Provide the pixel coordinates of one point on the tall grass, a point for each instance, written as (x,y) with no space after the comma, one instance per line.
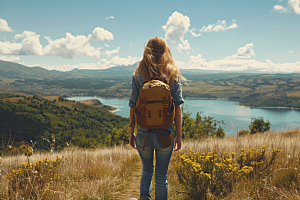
(107,173)
(84,174)
(281,181)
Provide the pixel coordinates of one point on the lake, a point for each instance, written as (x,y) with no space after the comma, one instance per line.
(236,117)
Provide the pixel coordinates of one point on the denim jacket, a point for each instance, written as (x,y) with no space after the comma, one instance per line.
(137,83)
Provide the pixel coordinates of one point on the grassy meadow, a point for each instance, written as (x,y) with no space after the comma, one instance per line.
(114,173)
(81,174)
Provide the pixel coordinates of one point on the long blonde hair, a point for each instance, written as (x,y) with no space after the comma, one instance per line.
(158,62)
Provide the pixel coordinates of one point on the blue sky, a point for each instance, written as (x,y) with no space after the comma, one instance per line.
(216,35)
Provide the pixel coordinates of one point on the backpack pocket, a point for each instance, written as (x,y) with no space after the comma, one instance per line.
(138,117)
(154,114)
(170,116)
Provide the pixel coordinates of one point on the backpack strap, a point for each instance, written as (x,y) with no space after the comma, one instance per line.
(165,110)
(144,110)
(132,115)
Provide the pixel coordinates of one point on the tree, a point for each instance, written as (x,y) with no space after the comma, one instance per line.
(243,132)
(258,125)
(201,127)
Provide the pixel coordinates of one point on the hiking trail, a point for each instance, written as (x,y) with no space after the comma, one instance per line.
(133,190)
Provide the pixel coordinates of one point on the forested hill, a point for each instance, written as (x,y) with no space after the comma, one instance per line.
(72,123)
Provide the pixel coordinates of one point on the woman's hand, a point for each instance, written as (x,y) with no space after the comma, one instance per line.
(132,141)
(177,143)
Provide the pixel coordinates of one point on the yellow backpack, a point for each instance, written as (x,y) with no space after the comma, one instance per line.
(155,107)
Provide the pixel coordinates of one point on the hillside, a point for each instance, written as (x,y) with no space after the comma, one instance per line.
(30,118)
(250,89)
(11,70)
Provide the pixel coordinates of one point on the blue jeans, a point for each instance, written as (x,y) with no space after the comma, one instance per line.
(162,156)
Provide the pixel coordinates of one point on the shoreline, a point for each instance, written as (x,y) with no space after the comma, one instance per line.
(279,107)
(193,98)
(115,110)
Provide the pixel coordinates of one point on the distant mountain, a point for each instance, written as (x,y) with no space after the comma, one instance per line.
(11,70)
(113,71)
(15,70)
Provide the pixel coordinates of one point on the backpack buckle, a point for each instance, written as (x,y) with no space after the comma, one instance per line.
(165,105)
(144,105)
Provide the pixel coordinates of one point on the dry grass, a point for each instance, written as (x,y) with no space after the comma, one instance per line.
(288,159)
(68,104)
(85,174)
(107,173)
(293,94)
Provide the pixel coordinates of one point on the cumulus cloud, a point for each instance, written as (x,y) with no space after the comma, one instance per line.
(70,47)
(4,26)
(108,53)
(280,9)
(111,17)
(116,60)
(197,62)
(291,51)
(244,52)
(239,62)
(176,27)
(8,48)
(30,45)
(10,58)
(25,34)
(194,34)
(219,26)
(293,5)
(184,46)
(100,34)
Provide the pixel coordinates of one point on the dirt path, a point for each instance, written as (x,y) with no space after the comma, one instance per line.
(133,190)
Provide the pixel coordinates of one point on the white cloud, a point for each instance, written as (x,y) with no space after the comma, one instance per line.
(4,26)
(107,45)
(291,51)
(295,5)
(280,9)
(184,46)
(108,53)
(176,27)
(244,52)
(30,45)
(116,60)
(232,64)
(8,48)
(102,64)
(219,26)
(111,17)
(100,34)
(10,58)
(194,34)
(70,47)
(292,5)
(25,34)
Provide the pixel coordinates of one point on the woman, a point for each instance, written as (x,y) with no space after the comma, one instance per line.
(157,62)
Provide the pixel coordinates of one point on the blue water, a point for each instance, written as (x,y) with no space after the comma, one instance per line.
(235,117)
